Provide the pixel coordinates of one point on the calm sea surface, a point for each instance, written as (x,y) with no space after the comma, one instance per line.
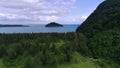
(39,29)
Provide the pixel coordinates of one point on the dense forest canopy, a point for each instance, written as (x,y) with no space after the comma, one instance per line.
(105,17)
(45,50)
(102,28)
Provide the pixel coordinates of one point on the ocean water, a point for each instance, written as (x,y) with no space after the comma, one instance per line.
(39,29)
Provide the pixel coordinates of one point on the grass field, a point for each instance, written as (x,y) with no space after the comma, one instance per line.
(81,62)
(1,64)
(86,64)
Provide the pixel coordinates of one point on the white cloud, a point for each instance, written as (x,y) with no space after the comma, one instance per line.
(45,10)
(77,18)
(48,18)
(12,16)
(31,1)
(84,17)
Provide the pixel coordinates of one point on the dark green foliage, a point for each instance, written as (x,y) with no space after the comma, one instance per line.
(2,50)
(82,48)
(106,45)
(11,53)
(41,50)
(102,28)
(29,63)
(106,16)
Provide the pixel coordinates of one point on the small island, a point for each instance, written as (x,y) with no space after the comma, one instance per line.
(53,24)
(1,25)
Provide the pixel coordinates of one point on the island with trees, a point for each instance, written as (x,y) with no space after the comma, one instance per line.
(7,25)
(54,24)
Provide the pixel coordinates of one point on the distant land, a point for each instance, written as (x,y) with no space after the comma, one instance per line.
(54,24)
(13,25)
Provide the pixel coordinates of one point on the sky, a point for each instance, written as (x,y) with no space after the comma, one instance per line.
(46,11)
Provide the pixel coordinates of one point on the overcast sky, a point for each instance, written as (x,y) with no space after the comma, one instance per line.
(45,11)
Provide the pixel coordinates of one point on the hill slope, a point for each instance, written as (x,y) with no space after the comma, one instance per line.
(106,16)
(102,28)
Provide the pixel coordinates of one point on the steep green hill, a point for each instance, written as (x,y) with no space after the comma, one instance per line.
(106,16)
(102,28)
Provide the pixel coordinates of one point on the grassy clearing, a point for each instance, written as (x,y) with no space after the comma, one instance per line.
(80,62)
(1,64)
(84,64)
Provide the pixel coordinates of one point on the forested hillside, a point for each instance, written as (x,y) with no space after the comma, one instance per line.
(102,28)
(105,17)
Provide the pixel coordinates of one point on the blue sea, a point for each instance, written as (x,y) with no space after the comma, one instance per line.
(39,29)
